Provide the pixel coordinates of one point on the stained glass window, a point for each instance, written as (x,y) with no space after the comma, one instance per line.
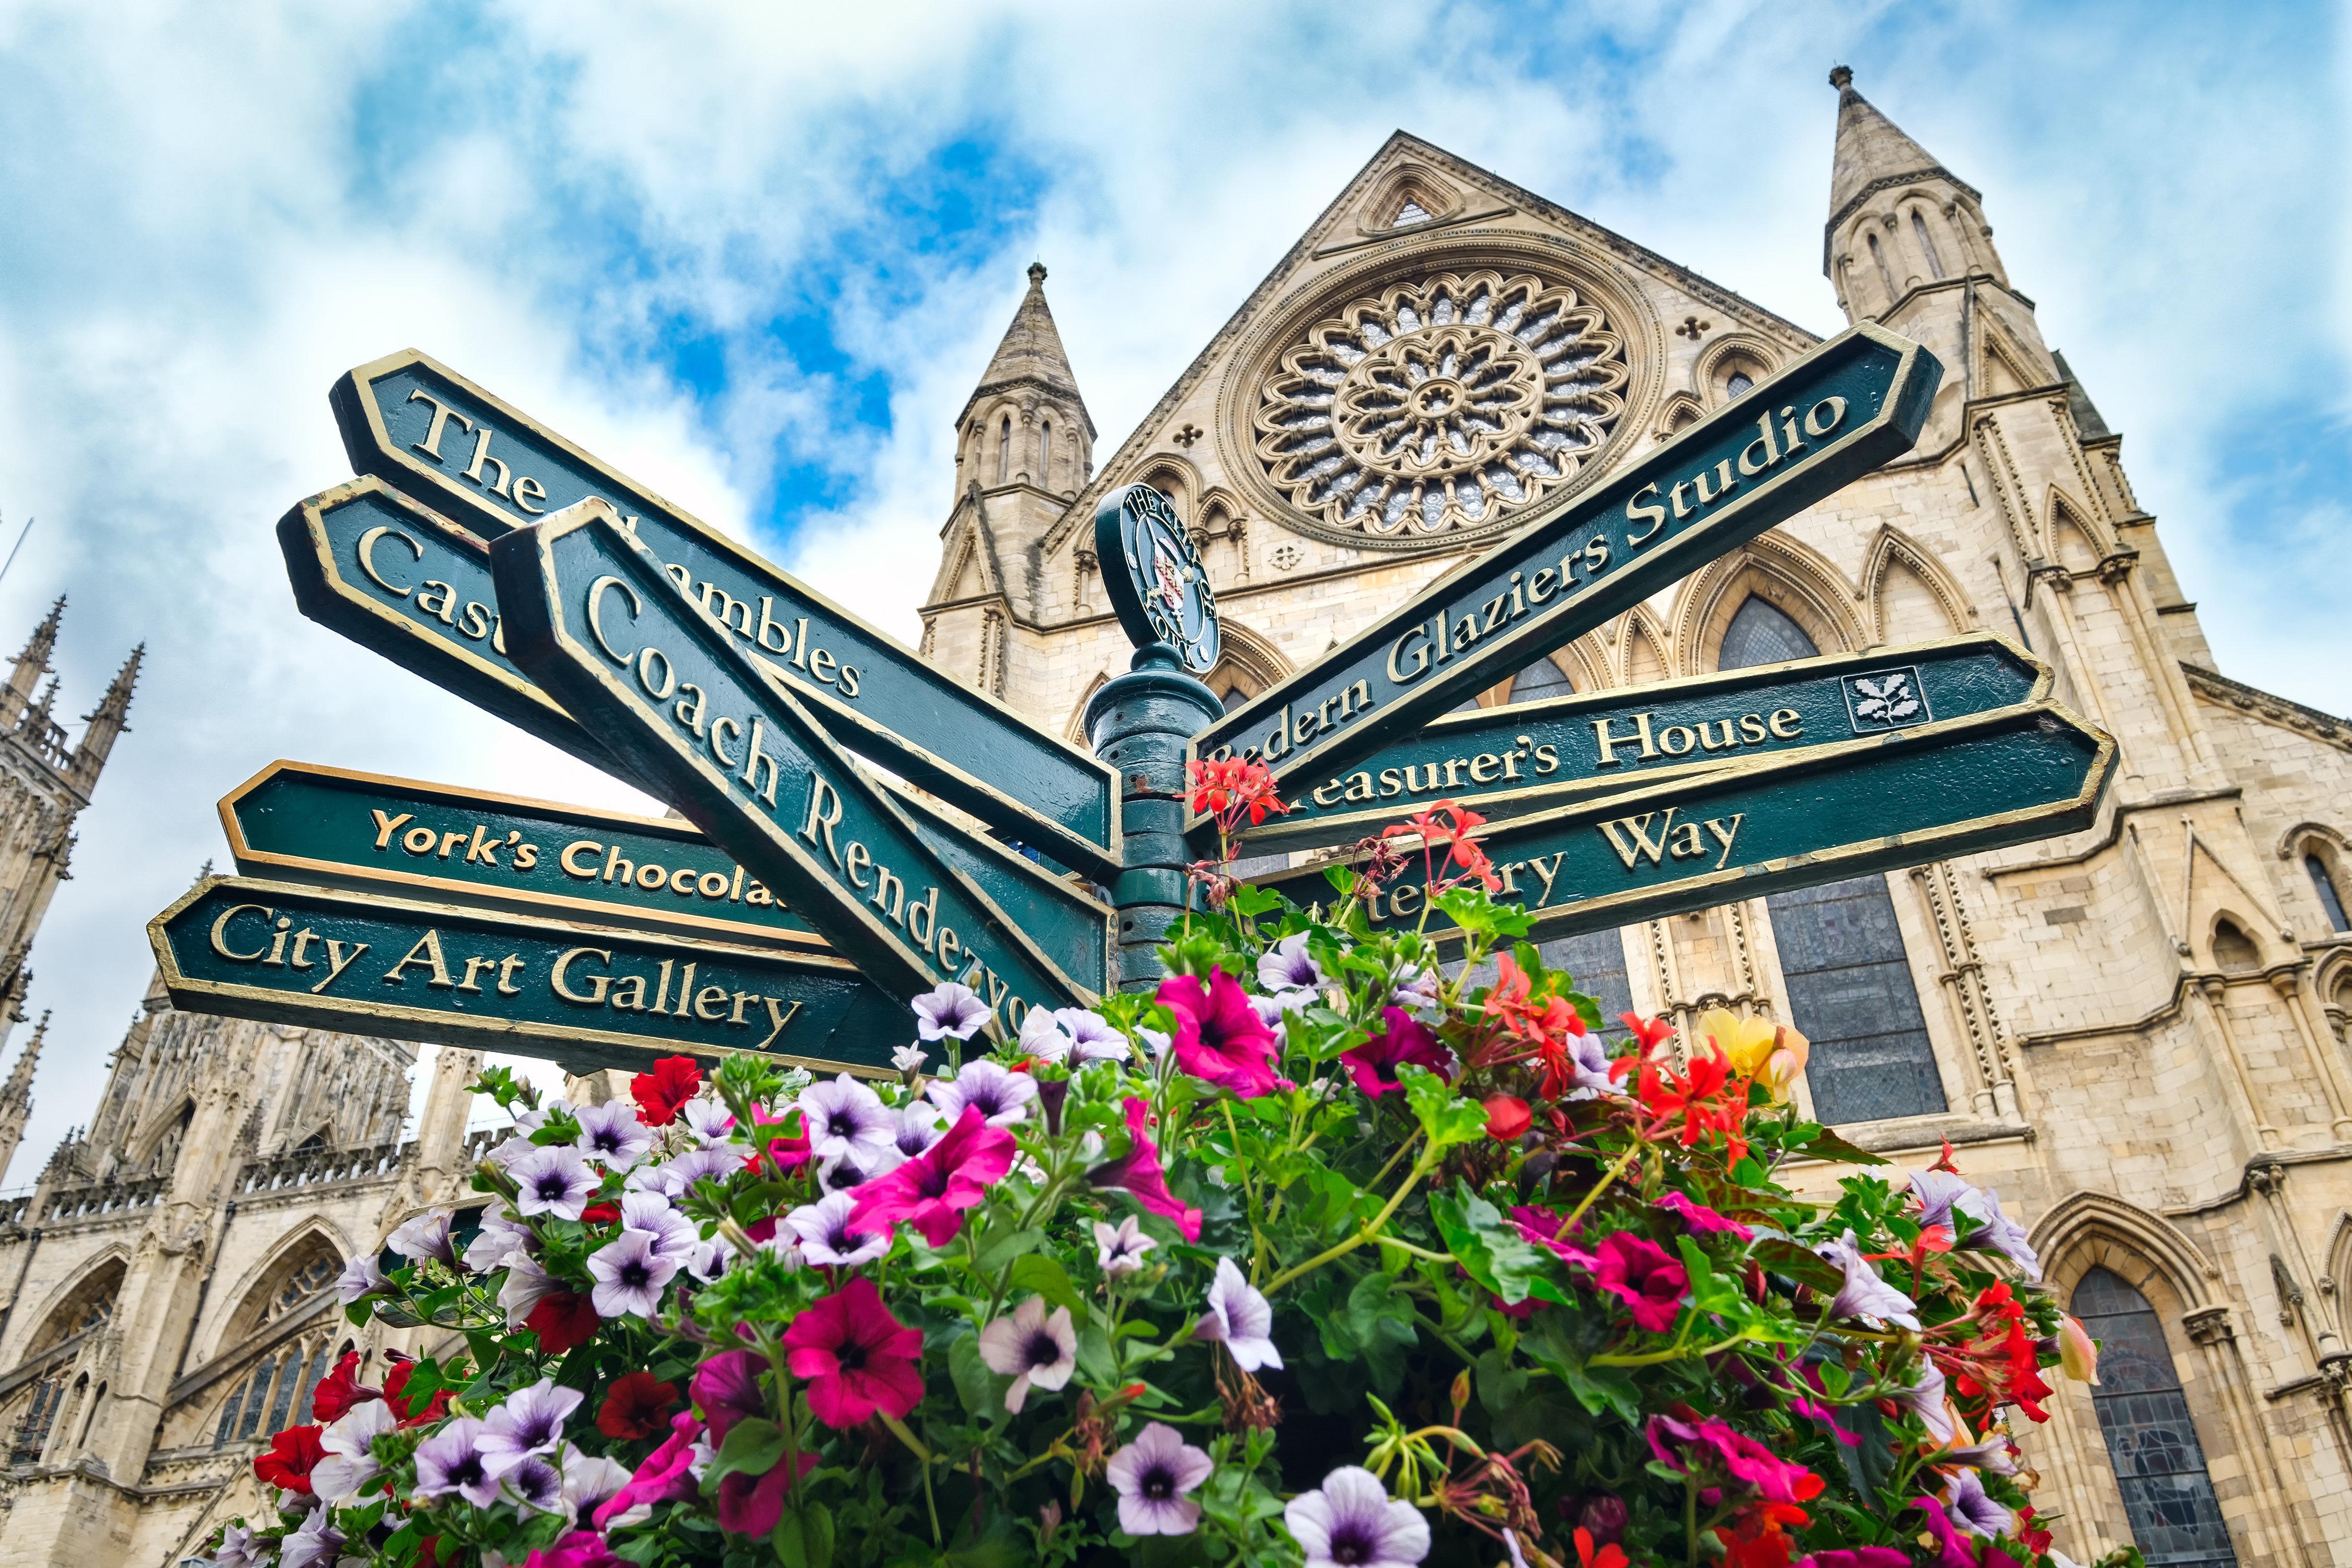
(1850,992)
(2325,886)
(2176,1520)
(1762,634)
(1739,385)
(1542,678)
(1597,962)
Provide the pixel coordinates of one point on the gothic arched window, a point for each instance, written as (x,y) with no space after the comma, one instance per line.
(2325,886)
(277,1391)
(2233,951)
(1739,385)
(1542,678)
(1045,454)
(1927,244)
(1005,451)
(1878,258)
(2168,1501)
(1762,633)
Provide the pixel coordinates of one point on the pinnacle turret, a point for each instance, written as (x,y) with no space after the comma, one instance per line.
(1030,356)
(32,664)
(107,721)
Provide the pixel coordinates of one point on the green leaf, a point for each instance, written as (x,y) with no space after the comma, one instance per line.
(1827,1145)
(1253,902)
(975,1385)
(1094,1356)
(1042,1276)
(1491,1248)
(1710,1291)
(754,1445)
(1380,1316)
(997,1250)
(1499,1383)
(1599,1388)
(1444,1116)
(804,1537)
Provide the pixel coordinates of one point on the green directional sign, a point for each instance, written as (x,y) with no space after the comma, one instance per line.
(587,997)
(429,432)
(1952,787)
(1504,762)
(593,615)
(1842,410)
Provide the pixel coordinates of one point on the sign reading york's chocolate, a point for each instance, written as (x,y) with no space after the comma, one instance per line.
(432,434)
(1854,404)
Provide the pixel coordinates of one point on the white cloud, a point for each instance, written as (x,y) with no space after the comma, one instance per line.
(212,214)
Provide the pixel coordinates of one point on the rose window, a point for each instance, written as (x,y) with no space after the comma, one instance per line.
(1442,405)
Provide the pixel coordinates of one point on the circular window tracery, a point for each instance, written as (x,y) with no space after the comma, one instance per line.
(1441,405)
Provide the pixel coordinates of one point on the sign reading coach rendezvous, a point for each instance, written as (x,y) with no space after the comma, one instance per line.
(1851,404)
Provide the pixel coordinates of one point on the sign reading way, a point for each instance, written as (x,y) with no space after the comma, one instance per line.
(590,997)
(1842,410)
(427,431)
(1503,761)
(1910,796)
(593,615)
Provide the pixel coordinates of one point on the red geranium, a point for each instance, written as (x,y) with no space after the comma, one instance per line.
(661,1093)
(561,1319)
(288,1461)
(637,1406)
(1508,1117)
(1229,789)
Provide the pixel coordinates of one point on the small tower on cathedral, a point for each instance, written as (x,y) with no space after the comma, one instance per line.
(16,1094)
(1024,436)
(107,721)
(32,664)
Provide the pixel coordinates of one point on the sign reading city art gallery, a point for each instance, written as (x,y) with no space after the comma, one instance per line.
(1503,761)
(589,997)
(592,613)
(1842,410)
(1909,795)
(298,821)
(425,430)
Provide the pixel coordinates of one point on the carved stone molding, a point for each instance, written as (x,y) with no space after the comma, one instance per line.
(2210,1326)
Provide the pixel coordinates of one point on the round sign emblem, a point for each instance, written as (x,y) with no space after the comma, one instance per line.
(1156,580)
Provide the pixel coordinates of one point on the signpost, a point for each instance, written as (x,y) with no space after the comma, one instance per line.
(1504,762)
(589,996)
(592,613)
(1842,410)
(490,469)
(303,823)
(1951,787)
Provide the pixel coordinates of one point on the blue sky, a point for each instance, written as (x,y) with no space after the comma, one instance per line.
(756,255)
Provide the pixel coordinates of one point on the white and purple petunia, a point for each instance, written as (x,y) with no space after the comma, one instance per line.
(1940,1193)
(534,1484)
(708,1123)
(1968,1506)
(451,1461)
(1865,1294)
(1001,1094)
(1035,1348)
(1240,1319)
(630,1274)
(590,1480)
(530,1422)
(425,1238)
(674,1235)
(949,1011)
(823,1229)
(1351,1520)
(611,1135)
(526,1287)
(498,1244)
(1588,1062)
(909,1059)
(1091,1038)
(1416,988)
(1288,968)
(237,1549)
(362,1277)
(554,1180)
(1122,1247)
(845,1120)
(1043,1036)
(349,1464)
(318,1541)
(1151,1476)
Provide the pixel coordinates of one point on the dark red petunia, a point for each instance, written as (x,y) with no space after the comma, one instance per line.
(287,1462)
(636,1407)
(663,1092)
(1403,1041)
(562,1319)
(341,1389)
(600,1214)
(396,1381)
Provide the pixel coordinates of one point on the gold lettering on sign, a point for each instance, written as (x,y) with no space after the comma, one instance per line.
(1633,842)
(365,550)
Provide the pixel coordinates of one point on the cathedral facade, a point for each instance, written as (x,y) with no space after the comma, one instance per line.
(2135,1035)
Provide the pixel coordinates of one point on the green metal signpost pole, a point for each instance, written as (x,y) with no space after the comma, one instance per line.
(1142,723)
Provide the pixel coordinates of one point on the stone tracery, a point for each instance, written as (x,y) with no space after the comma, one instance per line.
(1442,405)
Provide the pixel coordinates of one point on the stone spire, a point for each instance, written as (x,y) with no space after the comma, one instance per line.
(16,1094)
(1031,357)
(1898,219)
(31,665)
(1872,153)
(107,721)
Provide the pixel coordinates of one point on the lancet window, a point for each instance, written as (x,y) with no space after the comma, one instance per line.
(1540,679)
(1927,244)
(2325,886)
(277,1391)
(2176,1520)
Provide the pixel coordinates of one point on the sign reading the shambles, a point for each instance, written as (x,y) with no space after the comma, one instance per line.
(588,997)
(298,821)
(427,430)
(592,614)
(1842,410)
(1503,761)
(1910,796)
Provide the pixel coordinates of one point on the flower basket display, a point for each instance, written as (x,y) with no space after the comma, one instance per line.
(1336,1247)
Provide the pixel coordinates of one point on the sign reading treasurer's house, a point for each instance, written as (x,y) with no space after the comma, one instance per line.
(1842,410)
(596,619)
(592,996)
(427,431)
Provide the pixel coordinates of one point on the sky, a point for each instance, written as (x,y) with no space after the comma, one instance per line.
(756,254)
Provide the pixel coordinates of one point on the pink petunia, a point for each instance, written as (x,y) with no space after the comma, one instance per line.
(1640,1274)
(751,1504)
(855,1356)
(667,1474)
(1681,1444)
(727,1388)
(1139,1174)
(1404,1042)
(1550,1230)
(1219,1036)
(931,1191)
(1702,1220)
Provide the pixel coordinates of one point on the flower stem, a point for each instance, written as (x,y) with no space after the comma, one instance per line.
(1600,1186)
(1370,1233)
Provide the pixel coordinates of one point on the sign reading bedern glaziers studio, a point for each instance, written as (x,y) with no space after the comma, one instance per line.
(594,617)
(1851,404)
(588,996)
(427,430)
